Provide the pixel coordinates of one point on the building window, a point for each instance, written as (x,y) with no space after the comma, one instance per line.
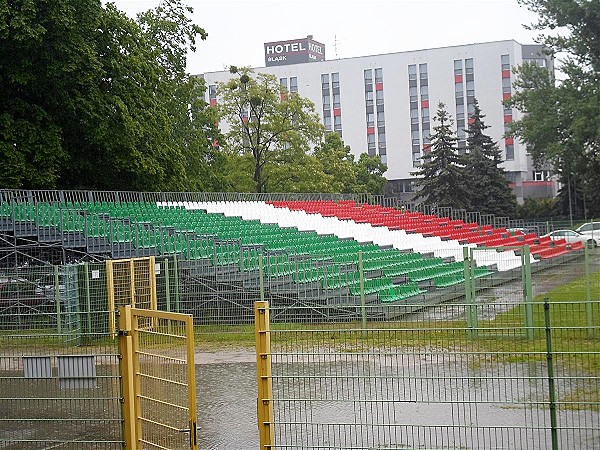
(470,88)
(505,61)
(412,72)
(337,123)
(412,92)
(326,102)
(325,78)
(458,88)
(370,119)
(379,97)
(336,101)
(284,83)
(414,116)
(369,98)
(379,75)
(293,84)
(368,76)
(505,85)
(469,66)
(327,122)
(423,70)
(424,92)
(380,119)
(458,67)
(460,111)
(335,80)
(510,152)
(541,175)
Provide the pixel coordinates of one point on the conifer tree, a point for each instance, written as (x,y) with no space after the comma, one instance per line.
(489,190)
(441,178)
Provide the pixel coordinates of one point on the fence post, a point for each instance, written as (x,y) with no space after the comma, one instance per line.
(88,301)
(471,309)
(261,275)
(527,292)
(176,274)
(363,308)
(588,295)
(551,388)
(57,300)
(167,286)
(264,375)
(127,376)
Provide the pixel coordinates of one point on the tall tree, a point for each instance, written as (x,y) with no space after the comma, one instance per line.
(266,121)
(338,163)
(562,121)
(90,98)
(489,190)
(441,179)
(369,175)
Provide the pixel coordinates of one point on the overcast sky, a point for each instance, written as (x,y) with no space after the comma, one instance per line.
(238,29)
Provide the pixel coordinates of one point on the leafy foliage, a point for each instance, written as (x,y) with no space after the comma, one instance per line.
(92,99)
(441,176)
(562,122)
(267,122)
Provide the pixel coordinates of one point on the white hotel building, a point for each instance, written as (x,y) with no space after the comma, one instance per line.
(384,104)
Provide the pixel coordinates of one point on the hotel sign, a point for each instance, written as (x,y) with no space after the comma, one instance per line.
(293,52)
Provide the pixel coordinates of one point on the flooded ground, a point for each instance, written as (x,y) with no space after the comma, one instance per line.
(399,400)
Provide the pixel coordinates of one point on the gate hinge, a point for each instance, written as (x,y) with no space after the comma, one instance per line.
(123,333)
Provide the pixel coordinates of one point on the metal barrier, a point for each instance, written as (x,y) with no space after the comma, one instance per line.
(130,282)
(159,387)
(423,381)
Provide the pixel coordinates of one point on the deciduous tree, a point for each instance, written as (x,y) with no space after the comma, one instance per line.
(266,121)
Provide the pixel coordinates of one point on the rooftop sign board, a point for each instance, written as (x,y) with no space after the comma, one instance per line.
(294,51)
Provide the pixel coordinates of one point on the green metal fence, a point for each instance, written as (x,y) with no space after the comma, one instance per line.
(425,382)
(59,372)
(459,364)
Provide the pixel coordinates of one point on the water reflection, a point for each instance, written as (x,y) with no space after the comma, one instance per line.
(226,405)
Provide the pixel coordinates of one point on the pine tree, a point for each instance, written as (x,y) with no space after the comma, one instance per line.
(441,178)
(489,190)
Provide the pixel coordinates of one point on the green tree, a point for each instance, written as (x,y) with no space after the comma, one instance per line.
(562,120)
(369,172)
(49,65)
(266,121)
(338,164)
(489,190)
(441,179)
(90,98)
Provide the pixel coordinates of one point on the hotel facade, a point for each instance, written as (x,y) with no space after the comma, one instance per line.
(384,104)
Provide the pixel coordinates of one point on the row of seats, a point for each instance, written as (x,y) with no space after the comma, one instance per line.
(428,225)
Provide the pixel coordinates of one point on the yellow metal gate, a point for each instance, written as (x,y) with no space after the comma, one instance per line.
(159,386)
(130,282)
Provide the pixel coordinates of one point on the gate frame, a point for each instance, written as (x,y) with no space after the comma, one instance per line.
(130,372)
